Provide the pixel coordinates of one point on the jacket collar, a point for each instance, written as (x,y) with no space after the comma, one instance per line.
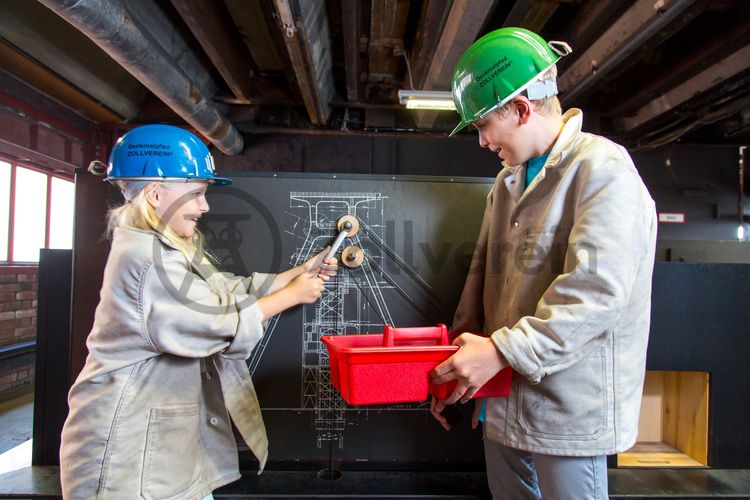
(205,272)
(514,176)
(572,124)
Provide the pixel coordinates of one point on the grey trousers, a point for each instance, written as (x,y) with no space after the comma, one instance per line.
(518,475)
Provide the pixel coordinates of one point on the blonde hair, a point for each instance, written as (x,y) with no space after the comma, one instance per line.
(548,106)
(137,213)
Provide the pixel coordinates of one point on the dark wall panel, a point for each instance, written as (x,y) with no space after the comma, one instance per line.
(699,181)
(701,322)
(270,223)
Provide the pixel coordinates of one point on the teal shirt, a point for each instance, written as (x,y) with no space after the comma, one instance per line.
(533,167)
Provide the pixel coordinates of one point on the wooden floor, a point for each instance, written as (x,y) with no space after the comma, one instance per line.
(43,482)
(16,419)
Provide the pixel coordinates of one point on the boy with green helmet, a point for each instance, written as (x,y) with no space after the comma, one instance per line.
(560,283)
(498,67)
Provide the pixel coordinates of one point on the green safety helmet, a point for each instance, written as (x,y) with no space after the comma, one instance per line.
(498,67)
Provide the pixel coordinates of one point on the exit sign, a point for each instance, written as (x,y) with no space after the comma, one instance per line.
(672,217)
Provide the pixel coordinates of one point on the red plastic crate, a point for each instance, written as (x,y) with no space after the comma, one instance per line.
(394,367)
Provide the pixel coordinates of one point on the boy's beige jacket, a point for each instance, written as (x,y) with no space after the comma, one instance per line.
(561,279)
(150,412)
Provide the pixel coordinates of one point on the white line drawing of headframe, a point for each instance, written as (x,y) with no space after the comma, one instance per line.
(343,309)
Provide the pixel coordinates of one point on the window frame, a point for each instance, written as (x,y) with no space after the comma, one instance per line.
(14,164)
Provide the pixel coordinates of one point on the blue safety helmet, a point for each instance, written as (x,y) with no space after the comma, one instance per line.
(162,153)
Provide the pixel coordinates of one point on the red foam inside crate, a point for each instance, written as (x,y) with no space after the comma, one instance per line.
(394,367)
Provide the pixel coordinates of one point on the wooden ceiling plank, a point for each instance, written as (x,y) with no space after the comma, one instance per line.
(39,77)
(250,18)
(531,14)
(41,116)
(726,68)
(462,27)
(679,70)
(636,26)
(386,45)
(45,38)
(304,34)
(35,157)
(212,26)
(431,21)
(590,19)
(350,13)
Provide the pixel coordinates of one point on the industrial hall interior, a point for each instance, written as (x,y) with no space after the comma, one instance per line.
(414,249)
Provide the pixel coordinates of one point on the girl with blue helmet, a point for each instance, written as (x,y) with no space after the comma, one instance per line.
(151,413)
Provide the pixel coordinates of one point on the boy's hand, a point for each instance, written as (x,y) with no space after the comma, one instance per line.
(436,408)
(477,361)
(325,269)
(306,288)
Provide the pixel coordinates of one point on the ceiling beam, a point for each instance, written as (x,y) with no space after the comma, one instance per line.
(590,20)
(65,52)
(431,21)
(531,14)
(635,27)
(40,78)
(212,26)
(254,28)
(462,27)
(35,157)
(728,67)
(109,25)
(677,68)
(258,26)
(308,43)
(385,48)
(44,110)
(350,13)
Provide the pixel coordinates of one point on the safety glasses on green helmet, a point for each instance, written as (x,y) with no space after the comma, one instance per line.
(498,67)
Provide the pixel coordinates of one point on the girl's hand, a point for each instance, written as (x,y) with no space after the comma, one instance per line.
(306,288)
(325,269)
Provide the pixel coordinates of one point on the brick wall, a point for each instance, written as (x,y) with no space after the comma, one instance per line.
(18,304)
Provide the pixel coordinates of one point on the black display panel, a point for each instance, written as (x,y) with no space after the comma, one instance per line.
(700,321)
(417,235)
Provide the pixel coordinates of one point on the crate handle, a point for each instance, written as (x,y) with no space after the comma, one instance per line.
(438,333)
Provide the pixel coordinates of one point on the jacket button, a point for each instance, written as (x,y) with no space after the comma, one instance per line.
(208,375)
(213,421)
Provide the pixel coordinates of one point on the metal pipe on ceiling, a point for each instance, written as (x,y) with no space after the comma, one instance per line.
(111,27)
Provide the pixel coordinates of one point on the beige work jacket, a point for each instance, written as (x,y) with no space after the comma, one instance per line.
(561,279)
(150,412)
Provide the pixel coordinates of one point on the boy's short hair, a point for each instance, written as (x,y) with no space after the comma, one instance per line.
(547,106)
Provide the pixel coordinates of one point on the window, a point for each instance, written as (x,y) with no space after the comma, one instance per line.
(36,211)
(4,209)
(62,214)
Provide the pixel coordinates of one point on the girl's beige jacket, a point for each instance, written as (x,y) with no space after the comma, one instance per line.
(150,412)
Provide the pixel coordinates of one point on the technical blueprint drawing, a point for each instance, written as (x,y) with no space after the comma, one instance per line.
(353,303)
(416,236)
